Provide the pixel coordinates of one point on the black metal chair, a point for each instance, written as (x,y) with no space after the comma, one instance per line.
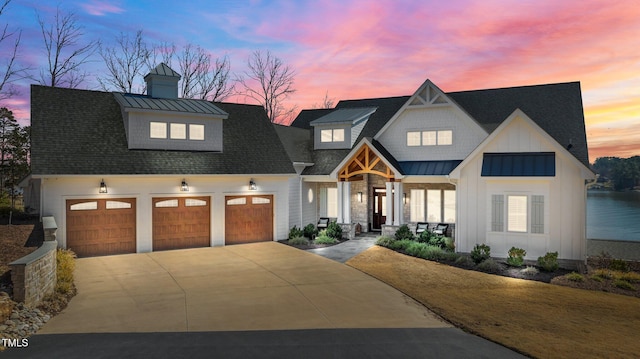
(421,227)
(441,229)
(323,223)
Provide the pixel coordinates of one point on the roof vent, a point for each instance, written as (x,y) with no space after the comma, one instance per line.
(162,82)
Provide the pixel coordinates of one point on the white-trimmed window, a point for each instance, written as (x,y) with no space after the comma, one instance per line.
(429,138)
(518,214)
(196,132)
(434,205)
(417,205)
(157,130)
(178,131)
(332,135)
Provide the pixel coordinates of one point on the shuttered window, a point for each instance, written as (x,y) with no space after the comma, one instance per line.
(537,214)
(497,213)
(517,214)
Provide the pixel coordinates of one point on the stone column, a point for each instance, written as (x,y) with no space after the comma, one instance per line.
(389,202)
(397,204)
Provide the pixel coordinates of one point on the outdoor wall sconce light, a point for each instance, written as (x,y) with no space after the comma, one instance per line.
(252,185)
(360,197)
(404,198)
(184,187)
(103,187)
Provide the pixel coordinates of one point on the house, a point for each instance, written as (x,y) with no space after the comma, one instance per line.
(135,173)
(506,167)
(125,173)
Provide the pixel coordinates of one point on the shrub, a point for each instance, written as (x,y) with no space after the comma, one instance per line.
(437,241)
(424,237)
(309,230)
(575,277)
(325,240)
(529,271)
(385,241)
(401,244)
(602,274)
(602,260)
(295,232)
(417,249)
(623,284)
(631,277)
(619,265)
(299,241)
(480,252)
(334,230)
(404,233)
(449,244)
(516,257)
(66,264)
(489,266)
(549,262)
(465,261)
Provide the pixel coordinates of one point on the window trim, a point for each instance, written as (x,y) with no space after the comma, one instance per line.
(536,213)
(333,135)
(424,134)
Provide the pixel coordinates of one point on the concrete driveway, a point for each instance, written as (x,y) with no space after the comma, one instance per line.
(262,286)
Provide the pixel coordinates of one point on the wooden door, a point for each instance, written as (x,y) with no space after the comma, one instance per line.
(248,218)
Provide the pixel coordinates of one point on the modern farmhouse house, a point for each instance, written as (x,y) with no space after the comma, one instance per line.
(128,173)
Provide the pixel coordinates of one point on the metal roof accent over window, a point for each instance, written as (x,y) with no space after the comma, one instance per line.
(142,102)
(343,116)
(428,168)
(526,164)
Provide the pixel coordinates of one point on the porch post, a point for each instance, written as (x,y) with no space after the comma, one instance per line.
(340,201)
(346,211)
(389,203)
(398,216)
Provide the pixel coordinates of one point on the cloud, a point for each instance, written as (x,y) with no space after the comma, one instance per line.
(101,8)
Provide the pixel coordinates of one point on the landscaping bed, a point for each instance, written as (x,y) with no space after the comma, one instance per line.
(311,245)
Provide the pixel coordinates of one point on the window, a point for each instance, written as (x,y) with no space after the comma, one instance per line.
(517,214)
(196,132)
(332,135)
(157,130)
(429,138)
(167,203)
(449,206)
(237,201)
(434,213)
(178,131)
(260,200)
(84,206)
(417,205)
(118,205)
(193,202)
(332,202)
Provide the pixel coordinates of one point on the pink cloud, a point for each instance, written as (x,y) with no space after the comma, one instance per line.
(101,8)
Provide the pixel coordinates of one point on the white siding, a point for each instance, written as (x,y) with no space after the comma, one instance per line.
(355,131)
(57,190)
(309,200)
(564,201)
(466,134)
(294,202)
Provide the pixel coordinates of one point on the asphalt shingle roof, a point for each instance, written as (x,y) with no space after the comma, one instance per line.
(82,132)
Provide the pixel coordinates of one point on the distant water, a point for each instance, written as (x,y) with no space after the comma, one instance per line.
(613,215)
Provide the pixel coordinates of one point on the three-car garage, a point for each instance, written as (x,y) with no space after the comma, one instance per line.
(96,227)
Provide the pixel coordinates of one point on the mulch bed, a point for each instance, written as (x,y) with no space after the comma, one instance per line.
(16,241)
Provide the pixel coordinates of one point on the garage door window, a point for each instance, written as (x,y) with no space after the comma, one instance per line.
(84,206)
(260,200)
(237,201)
(167,203)
(118,205)
(190,202)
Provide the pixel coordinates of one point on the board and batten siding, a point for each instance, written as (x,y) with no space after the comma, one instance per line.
(309,203)
(564,200)
(467,135)
(55,192)
(295,215)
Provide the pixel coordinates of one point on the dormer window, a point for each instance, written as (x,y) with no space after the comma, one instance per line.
(196,132)
(157,130)
(178,131)
(429,138)
(332,135)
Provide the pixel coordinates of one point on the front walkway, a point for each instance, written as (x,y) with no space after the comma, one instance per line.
(346,250)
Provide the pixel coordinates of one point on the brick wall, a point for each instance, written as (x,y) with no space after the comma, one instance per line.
(34,275)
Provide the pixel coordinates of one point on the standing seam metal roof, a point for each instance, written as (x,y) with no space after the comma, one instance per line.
(143,102)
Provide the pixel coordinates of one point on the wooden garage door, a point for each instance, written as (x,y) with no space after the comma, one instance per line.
(181,222)
(97,227)
(248,219)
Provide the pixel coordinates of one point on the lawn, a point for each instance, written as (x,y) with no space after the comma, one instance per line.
(537,319)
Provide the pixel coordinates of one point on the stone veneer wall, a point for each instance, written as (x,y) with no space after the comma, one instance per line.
(34,275)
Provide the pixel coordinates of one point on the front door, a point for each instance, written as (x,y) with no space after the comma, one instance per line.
(379,209)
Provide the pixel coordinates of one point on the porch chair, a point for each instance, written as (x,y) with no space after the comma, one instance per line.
(421,227)
(323,223)
(441,229)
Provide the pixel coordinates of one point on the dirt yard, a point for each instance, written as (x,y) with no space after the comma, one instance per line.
(537,319)
(12,244)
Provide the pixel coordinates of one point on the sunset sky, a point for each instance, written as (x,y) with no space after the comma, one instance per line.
(357,49)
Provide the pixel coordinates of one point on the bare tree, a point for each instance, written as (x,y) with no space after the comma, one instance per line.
(10,70)
(269,81)
(66,54)
(202,78)
(124,62)
(326,102)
